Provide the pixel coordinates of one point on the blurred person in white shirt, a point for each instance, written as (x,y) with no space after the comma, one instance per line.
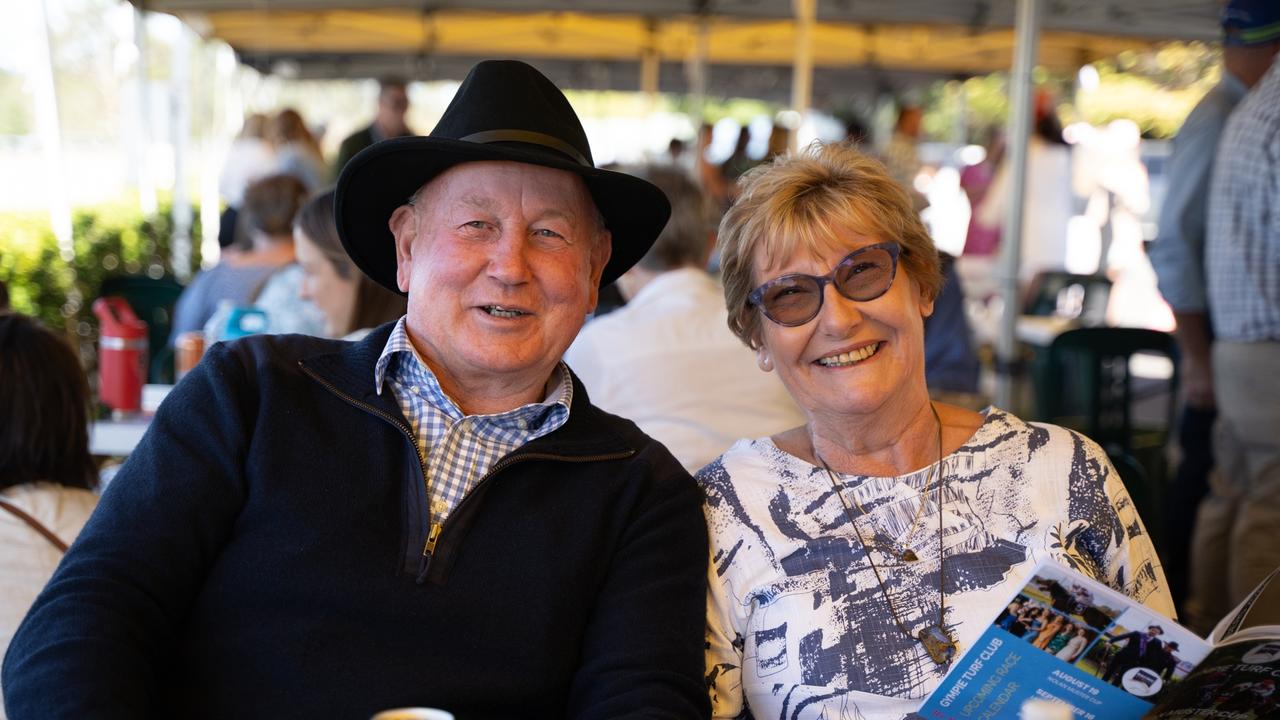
(667,360)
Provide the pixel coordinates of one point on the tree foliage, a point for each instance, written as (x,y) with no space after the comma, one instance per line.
(108,240)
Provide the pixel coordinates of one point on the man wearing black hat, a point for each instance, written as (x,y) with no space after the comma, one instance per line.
(435,516)
(1139,649)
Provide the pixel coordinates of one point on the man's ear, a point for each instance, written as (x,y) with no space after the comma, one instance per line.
(600,255)
(404,229)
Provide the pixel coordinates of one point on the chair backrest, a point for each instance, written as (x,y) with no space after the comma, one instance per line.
(1082,298)
(152,300)
(1089,385)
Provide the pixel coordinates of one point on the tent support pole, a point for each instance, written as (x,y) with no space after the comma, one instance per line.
(180,125)
(650,66)
(802,68)
(698,70)
(1020,94)
(146,185)
(50,130)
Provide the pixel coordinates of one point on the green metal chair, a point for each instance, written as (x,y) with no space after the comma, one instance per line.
(1086,383)
(152,300)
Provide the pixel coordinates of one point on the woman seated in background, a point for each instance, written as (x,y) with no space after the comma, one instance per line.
(46,472)
(352,303)
(855,556)
(267,215)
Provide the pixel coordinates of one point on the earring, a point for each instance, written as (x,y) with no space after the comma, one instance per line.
(764,361)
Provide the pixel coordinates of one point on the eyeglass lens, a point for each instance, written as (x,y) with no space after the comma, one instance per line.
(796,299)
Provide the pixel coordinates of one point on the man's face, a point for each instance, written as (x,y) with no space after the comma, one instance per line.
(393,102)
(501,261)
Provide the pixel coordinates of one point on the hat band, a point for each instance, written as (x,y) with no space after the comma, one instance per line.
(1259,35)
(530,137)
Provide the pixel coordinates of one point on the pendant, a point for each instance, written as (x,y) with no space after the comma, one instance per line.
(937,643)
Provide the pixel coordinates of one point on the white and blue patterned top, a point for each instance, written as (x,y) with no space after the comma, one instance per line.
(797,624)
(1242,244)
(459,449)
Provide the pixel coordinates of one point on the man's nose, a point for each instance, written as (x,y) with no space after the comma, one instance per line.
(509,258)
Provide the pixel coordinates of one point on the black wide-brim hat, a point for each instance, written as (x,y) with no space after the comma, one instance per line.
(504,110)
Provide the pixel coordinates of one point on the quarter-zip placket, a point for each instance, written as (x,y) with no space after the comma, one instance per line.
(436,530)
(398,423)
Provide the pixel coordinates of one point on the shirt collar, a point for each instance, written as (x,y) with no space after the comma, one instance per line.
(1234,86)
(400,358)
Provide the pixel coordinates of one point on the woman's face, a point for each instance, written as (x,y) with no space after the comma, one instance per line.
(854,358)
(323,286)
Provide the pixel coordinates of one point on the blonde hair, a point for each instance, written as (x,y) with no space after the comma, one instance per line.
(801,202)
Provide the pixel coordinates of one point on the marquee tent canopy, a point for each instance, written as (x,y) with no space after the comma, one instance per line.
(749,45)
(809,49)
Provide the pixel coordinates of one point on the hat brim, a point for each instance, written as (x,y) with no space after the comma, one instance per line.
(383,176)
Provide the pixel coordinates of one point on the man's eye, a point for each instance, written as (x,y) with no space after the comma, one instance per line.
(476,224)
(546,237)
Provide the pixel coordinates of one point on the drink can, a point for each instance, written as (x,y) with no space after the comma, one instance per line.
(188,349)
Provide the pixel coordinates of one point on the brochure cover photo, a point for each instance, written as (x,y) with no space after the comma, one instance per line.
(1067,638)
(1236,682)
(1240,679)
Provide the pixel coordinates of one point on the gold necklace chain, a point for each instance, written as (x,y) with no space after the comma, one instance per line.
(907,555)
(939,650)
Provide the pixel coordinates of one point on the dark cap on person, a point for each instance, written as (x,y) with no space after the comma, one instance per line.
(504,110)
(1250,22)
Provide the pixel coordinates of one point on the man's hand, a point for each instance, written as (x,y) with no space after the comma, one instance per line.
(1197,378)
(1195,341)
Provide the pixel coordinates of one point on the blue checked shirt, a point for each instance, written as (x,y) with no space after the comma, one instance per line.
(1242,244)
(460,449)
(1178,252)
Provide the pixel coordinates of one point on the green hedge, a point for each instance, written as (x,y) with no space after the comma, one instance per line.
(109,240)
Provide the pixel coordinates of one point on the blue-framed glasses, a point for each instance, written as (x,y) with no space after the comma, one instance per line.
(864,274)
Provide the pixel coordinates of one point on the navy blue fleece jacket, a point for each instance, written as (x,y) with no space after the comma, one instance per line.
(261,554)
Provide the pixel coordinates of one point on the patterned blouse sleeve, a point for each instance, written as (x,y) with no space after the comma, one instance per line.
(724,649)
(726,618)
(1115,540)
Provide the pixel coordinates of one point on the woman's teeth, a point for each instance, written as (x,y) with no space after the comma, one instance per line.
(850,358)
(499,311)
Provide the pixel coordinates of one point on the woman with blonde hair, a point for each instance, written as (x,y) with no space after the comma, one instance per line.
(855,556)
(1073,647)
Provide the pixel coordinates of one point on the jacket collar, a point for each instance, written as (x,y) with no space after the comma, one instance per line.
(349,373)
